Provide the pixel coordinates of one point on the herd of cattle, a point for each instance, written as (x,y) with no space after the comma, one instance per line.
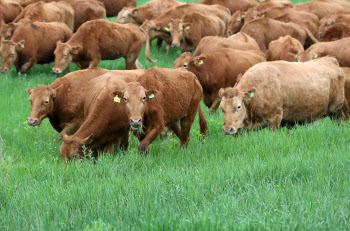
(261,76)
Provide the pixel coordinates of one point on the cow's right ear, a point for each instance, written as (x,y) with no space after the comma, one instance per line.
(150,94)
(221,92)
(187,26)
(248,95)
(65,137)
(116,96)
(29,90)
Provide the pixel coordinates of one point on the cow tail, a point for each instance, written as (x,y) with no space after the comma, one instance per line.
(148,48)
(311,36)
(202,121)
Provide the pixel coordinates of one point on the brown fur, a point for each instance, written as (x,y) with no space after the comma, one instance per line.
(220,69)
(233,6)
(330,20)
(39,41)
(162,97)
(336,32)
(9,10)
(113,7)
(98,40)
(339,49)
(324,8)
(284,48)
(346,109)
(272,92)
(236,22)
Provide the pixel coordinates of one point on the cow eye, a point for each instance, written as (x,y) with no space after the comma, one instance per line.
(144,98)
(65,56)
(125,99)
(12,54)
(238,20)
(46,101)
(185,65)
(239,107)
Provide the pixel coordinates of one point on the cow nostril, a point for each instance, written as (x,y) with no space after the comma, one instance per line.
(231,130)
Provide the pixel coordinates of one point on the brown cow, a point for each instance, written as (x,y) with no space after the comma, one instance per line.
(113,7)
(274,92)
(220,69)
(239,41)
(105,127)
(32,43)
(336,32)
(48,12)
(233,6)
(9,10)
(324,8)
(162,97)
(188,31)
(266,30)
(150,10)
(284,48)
(98,40)
(330,20)
(63,100)
(339,49)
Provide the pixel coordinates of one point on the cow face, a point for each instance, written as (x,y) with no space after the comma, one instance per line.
(7,30)
(135,98)
(72,146)
(9,53)
(183,60)
(127,15)
(63,56)
(176,30)
(41,99)
(233,106)
(237,21)
(325,24)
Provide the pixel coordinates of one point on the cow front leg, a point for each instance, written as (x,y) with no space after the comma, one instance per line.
(26,66)
(94,62)
(149,138)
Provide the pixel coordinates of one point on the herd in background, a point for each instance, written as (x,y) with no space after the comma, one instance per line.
(261,76)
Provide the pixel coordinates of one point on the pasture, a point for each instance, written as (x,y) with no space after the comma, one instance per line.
(290,179)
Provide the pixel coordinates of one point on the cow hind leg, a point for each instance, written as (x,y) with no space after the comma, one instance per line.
(186,124)
(124,144)
(130,62)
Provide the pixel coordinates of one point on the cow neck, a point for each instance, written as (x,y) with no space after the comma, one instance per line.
(54,116)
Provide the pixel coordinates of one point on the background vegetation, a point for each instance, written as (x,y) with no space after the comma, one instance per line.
(283,180)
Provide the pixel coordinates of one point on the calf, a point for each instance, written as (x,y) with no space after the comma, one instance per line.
(101,40)
(336,32)
(162,97)
(330,20)
(220,69)
(284,48)
(275,92)
(32,43)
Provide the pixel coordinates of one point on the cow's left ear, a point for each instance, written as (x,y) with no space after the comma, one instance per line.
(134,13)
(200,61)
(56,91)
(75,50)
(221,92)
(150,94)
(20,45)
(116,95)
(248,95)
(187,26)
(29,90)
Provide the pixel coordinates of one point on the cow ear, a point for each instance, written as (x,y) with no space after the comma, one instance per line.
(116,95)
(221,92)
(56,91)
(187,26)
(58,42)
(150,94)
(167,28)
(29,90)
(85,140)
(134,13)
(65,137)
(200,61)
(75,50)
(20,45)
(248,95)
(314,56)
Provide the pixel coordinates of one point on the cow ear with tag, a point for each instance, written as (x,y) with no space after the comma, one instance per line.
(134,12)
(151,94)
(187,26)
(20,45)
(75,50)
(221,92)
(200,61)
(248,95)
(29,90)
(56,91)
(314,56)
(167,28)
(116,95)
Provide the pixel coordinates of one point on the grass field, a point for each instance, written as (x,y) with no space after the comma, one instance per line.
(294,179)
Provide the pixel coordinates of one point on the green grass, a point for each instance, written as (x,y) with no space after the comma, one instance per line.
(283,180)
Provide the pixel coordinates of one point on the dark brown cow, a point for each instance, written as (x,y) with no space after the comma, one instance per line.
(48,12)
(330,20)
(113,7)
(233,6)
(9,10)
(105,127)
(339,49)
(275,92)
(101,40)
(162,97)
(266,30)
(239,41)
(336,32)
(324,8)
(284,48)
(220,69)
(32,43)
(150,10)
(188,31)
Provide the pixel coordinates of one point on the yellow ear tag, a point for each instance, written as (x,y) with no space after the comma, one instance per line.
(251,94)
(151,96)
(187,27)
(263,16)
(116,99)
(166,28)
(200,62)
(315,56)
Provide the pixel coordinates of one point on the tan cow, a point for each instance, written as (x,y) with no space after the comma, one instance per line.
(330,20)
(336,32)
(9,10)
(162,97)
(266,30)
(233,6)
(274,92)
(32,43)
(220,69)
(339,49)
(98,40)
(284,48)
(113,7)
(188,31)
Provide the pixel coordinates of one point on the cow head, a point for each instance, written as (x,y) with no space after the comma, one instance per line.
(325,23)
(41,99)
(9,53)
(135,98)
(175,28)
(7,30)
(236,23)
(72,146)
(183,60)
(64,54)
(305,56)
(127,15)
(234,107)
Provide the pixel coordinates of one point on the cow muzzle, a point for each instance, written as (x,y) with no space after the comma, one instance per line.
(56,70)
(32,122)
(136,124)
(175,45)
(229,130)
(4,70)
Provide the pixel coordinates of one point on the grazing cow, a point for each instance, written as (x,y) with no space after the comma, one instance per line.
(105,127)
(48,12)
(188,31)
(233,6)
(284,48)
(113,7)
(32,43)
(101,40)
(324,8)
(9,10)
(339,49)
(63,100)
(162,97)
(266,30)
(330,20)
(336,32)
(239,41)
(150,10)
(220,69)
(236,22)
(274,92)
